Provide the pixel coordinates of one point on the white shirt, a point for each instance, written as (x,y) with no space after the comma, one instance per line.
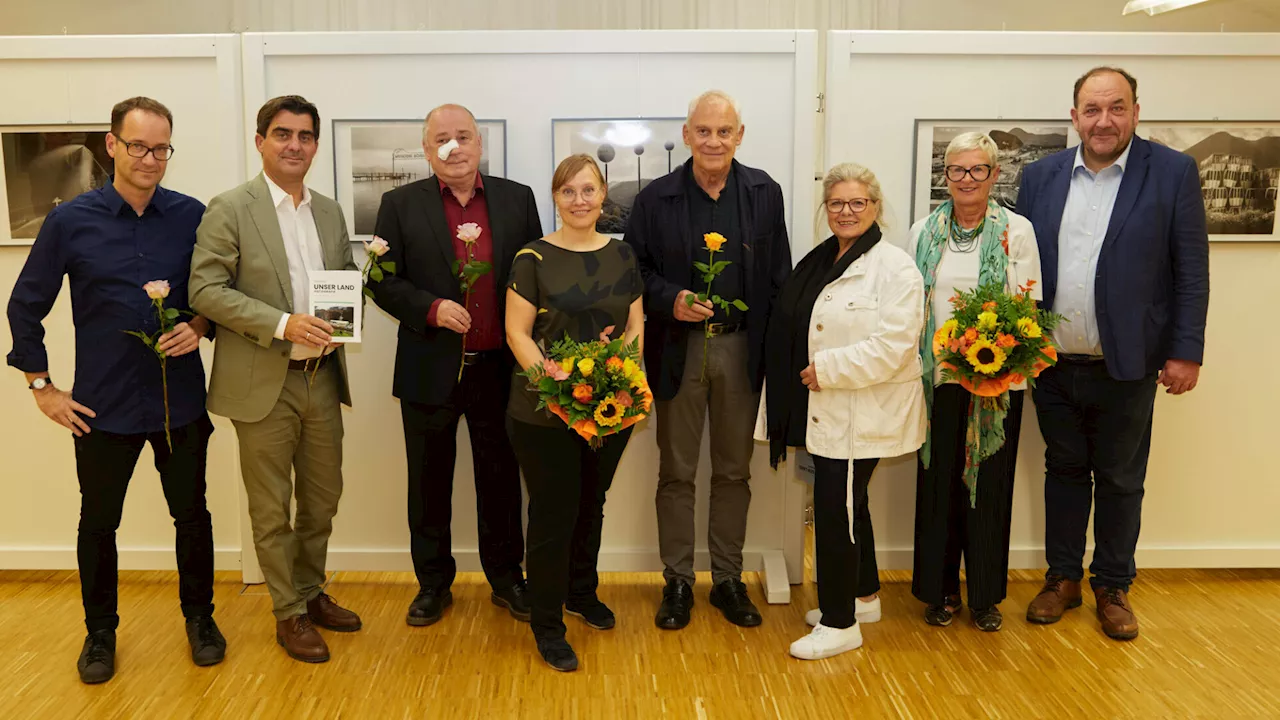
(1085,220)
(302,248)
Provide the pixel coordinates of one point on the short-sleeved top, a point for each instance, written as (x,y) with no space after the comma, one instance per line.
(576,293)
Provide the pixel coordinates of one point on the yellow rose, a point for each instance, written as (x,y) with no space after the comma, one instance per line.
(586,366)
(630,368)
(987,321)
(713,241)
(1028,328)
(567,364)
(637,380)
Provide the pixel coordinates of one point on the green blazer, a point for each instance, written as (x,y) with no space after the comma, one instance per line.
(240,281)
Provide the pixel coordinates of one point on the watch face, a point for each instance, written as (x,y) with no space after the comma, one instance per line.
(39,383)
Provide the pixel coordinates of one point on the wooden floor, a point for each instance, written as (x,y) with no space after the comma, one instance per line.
(1210,647)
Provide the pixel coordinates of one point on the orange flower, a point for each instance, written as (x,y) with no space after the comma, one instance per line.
(624,399)
(971,334)
(989,305)
(582,392)
(1006,341)
(614,365)
(713,241)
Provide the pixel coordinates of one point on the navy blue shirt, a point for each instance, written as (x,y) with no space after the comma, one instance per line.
(110,252)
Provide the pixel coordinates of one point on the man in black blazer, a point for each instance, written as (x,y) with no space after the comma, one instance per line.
(711,192)
(421,223)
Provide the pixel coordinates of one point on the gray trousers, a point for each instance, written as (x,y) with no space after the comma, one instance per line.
(302,437)
(726,391)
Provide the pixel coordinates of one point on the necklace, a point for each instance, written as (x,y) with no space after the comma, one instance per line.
(964,241)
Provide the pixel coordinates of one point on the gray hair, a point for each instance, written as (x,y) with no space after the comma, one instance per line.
(964,142)
(447,106)
(714,95)
(853,172)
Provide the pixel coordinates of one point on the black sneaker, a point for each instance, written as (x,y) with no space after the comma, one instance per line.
(731,597)
(987,619)
(208,646)
(593,612)
(515,600)
(97,662)
(942,615)
(558,654)
(677,604)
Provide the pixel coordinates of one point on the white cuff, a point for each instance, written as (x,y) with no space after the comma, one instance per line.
(284,320)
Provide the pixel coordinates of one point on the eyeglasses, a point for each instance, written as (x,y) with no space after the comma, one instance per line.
(138,150)
(835,207)
(588,193)
(979,173)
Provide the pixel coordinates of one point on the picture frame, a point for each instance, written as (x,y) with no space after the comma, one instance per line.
(43,166)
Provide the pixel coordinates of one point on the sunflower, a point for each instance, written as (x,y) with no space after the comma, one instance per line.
(985,357)
(950,328)
(609,412)
(1028,328)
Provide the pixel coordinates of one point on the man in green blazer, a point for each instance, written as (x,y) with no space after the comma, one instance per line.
(276,373)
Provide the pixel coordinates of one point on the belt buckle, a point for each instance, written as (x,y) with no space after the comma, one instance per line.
(715,329)
(470,358)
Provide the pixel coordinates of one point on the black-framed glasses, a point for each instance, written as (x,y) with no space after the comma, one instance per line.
(979,173)
(138,150)
(835,207)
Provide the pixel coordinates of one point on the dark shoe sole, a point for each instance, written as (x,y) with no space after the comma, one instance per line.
(561,669)
(1039,620)
(589,623)
(669,625)
(423,622)
(94,681)
(1121,635)
(501,602)
(301,658)
(937,623)
(208,662)
(337,628)
(749,622)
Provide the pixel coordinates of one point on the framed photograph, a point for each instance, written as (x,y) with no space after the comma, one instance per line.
(1020,142)
(1239,172)
(45,166)
(632,152)
(374,156)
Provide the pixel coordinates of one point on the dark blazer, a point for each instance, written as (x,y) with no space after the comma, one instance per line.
(1152,283)
(660,231)
(411,220)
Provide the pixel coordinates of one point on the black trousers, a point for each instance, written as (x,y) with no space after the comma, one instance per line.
(104,464)
(842,575)
(430,439)
(1097,433)
(946,526)
(567,482)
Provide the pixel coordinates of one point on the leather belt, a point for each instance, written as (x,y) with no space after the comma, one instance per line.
(309,364)
(716,329)
(1073,359)
(477,357)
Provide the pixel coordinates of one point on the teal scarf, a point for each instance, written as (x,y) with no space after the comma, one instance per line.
(985,432)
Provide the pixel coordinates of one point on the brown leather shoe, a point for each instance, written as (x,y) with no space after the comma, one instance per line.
(299,638)
(1115,614)
(328,614)
(1056,597)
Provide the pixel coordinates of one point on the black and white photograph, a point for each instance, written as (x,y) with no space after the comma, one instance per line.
(374,156)
(631,153)
(1020,144)
(1239,169)
(47,166)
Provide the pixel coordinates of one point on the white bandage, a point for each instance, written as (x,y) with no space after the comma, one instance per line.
(445,149)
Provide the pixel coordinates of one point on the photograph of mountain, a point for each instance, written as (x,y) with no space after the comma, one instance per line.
(1239,173)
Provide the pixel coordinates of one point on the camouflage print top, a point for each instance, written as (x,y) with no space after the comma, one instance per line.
(578,293)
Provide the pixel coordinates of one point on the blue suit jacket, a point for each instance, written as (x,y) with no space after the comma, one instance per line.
(1152,283)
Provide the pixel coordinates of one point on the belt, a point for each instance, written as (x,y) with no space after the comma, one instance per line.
(1073,359)
(479,356)
(714,329)
(309,364)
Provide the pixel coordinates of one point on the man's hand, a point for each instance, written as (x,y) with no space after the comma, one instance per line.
(452,316)
(308,330)
(1180,376)
(697,312)
(809,376)
(60,408)
(184,337)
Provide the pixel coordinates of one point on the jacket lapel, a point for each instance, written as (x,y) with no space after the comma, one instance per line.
(1059,188)
(330,237)
(745,215)
(263,213)
(441,234)
(1130,186)
(499,229)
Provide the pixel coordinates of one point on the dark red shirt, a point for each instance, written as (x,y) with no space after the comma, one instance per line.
(486,331)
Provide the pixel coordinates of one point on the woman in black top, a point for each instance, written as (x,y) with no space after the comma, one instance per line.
(579,282)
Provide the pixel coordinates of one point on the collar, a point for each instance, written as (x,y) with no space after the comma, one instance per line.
(278,195)
(1121,162)
(730,181)
(116,204)
(479,184)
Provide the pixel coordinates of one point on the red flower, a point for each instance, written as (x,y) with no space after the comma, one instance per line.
(624,399)
(582,392)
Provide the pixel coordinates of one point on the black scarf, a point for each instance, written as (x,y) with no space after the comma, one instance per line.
(786,351)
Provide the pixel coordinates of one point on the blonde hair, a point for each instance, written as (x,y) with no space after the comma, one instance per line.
(714,95)
(853,172)
(964,142)
(571,166)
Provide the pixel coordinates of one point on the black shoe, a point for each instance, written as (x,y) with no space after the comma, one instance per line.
(97,662)
(558,654)
(677,603)
(593,612)
(942,615)
(514,600)
(987,619)
(731,597)
(208,647)
(428,607)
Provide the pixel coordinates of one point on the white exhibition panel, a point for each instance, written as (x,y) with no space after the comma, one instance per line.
(528,79)
(76,81)
(1211,491)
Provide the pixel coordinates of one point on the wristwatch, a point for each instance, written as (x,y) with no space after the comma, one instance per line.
(40,383)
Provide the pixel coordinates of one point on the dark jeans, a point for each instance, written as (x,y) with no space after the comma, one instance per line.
(841,578)
(567,482)
(104,464)
(430,439)
(1097,432)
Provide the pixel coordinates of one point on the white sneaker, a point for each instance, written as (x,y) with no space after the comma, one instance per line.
(864,612)
(825,642)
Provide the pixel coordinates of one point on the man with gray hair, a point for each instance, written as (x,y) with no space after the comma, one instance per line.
(702,355)
(452,360)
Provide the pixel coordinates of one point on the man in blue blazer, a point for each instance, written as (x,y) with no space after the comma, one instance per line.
(1121,228)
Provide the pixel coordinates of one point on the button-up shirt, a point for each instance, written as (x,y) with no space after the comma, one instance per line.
(486,331)
(1085,220)
(719,216)
(302,249)
(109,252)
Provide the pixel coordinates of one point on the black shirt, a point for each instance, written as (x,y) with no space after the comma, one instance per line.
(720,216)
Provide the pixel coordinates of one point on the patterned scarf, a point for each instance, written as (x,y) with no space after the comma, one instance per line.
(985,432)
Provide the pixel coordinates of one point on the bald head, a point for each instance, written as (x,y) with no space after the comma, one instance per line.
(446,123)
(449,108)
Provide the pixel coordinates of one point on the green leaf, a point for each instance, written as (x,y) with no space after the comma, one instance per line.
(702,297)
(708,277)
(368,293)
(740,305)
(720,266)
(171,313)
(375,274)
(454,267)
(479,267)
(716,299)
(701,267)
(690,299)
(389,267)
(548,385)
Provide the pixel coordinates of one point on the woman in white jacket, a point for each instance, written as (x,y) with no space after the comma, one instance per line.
(842,371)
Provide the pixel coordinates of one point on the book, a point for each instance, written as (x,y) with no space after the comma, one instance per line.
(336,297)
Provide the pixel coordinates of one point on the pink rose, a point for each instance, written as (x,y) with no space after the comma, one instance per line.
(468,232)
(378,247)
(157,289)
(553,370)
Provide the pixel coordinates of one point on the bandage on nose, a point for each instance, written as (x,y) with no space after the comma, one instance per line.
(447,148)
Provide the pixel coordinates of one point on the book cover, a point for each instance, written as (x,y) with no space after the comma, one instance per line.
(336,298)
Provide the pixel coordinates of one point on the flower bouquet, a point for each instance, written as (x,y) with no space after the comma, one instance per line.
(597,388)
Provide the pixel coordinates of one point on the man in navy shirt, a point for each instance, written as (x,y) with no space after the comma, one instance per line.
(111,241)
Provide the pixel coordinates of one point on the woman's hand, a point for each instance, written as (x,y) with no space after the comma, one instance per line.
(809,376)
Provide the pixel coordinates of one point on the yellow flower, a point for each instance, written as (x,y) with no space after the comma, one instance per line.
(567,364)
(713,241)
(985,356)
(1028,328)
(987,321)
(609,412)
(630,368)
(948,328)
(586,366)
(637,380)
